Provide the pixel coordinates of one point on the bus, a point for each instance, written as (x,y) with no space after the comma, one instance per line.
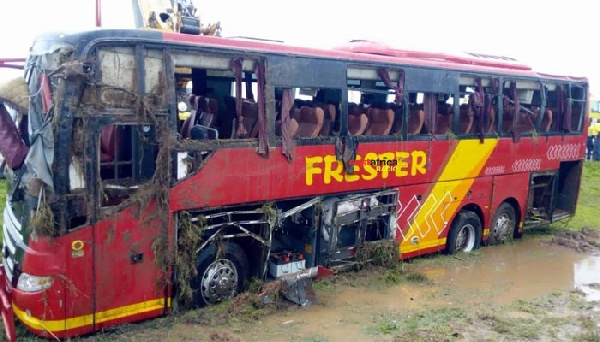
(290,161)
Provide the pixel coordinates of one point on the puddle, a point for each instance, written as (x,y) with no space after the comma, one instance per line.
(587,277)
(524,270)
(501,274)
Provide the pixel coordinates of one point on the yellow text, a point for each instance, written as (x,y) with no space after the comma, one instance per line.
(328,169)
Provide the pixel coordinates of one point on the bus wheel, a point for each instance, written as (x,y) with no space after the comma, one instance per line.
(465,233)
(503,225)
(222,272)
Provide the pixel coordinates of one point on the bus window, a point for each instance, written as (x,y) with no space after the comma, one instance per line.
(430,113)
(578,101)
(485,119)
(373,106)
(557,102)
(209,86)
(416,113)
(127,158)
(527,96)
(312,112)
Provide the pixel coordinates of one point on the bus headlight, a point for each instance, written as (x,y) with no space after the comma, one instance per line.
(29,283)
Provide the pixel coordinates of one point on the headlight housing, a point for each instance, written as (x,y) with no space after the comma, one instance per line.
(30,283)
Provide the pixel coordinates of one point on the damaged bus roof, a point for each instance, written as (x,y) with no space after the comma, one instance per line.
(352,51)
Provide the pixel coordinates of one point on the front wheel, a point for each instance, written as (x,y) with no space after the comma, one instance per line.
(465,233)
(222,273)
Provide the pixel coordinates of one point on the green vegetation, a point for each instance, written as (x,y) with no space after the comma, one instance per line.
(413,324)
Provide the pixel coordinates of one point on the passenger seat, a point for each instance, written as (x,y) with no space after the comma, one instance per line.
(308,122)
(380,121)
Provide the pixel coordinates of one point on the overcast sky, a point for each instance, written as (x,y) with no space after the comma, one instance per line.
(552,36)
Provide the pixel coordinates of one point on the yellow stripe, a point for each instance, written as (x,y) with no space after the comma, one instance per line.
(486,232)
(456,179)
(426,244)
(77,322)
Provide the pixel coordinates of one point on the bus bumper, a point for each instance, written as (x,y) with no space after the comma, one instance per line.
(6,308)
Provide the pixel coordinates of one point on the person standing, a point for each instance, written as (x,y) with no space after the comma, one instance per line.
(596,151)
(589,147)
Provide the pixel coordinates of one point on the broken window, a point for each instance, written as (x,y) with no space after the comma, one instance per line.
(578,102)
(311,112)
(374,101)
(478,105)
(219,96)
(127,157)
(430,113)
(522,104)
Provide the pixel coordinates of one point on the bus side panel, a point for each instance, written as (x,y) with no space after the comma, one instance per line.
(79,298)
(128,281)
(480,196)
(514,186)
(411,231)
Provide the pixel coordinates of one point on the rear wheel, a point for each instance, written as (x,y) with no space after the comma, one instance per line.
(222,273)
(465,233)
(503,225)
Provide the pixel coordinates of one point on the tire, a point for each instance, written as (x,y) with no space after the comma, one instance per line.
(220,277)
(465,233)
(503,225)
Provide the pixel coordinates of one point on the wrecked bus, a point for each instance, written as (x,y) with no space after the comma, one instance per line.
(287,162)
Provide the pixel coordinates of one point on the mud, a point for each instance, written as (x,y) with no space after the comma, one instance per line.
(585,241)
(532,289)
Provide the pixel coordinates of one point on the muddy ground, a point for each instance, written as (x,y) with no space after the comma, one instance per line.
(541,288)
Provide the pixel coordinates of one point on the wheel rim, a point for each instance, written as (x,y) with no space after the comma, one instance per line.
(502,227)
(465,239)
(219,281)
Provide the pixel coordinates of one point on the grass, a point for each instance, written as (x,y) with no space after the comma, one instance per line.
(373,278)
(424,324)
(520,320)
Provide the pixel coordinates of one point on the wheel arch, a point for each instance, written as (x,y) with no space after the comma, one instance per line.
(473,208)
(515,204)
(255,251)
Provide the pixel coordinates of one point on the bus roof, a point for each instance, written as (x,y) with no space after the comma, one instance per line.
(358,50)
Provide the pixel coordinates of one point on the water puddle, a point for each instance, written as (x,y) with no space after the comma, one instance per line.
(524,270)
(587,277)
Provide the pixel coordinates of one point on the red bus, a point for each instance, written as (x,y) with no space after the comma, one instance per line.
(163,167)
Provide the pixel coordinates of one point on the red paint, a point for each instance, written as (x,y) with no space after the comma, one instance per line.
(383,49)
(9,63)
(261,47)
(98,13)
(6,308)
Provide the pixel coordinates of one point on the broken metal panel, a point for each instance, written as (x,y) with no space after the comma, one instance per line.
(299,208)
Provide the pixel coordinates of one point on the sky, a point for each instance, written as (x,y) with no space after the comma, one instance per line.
(553,36)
